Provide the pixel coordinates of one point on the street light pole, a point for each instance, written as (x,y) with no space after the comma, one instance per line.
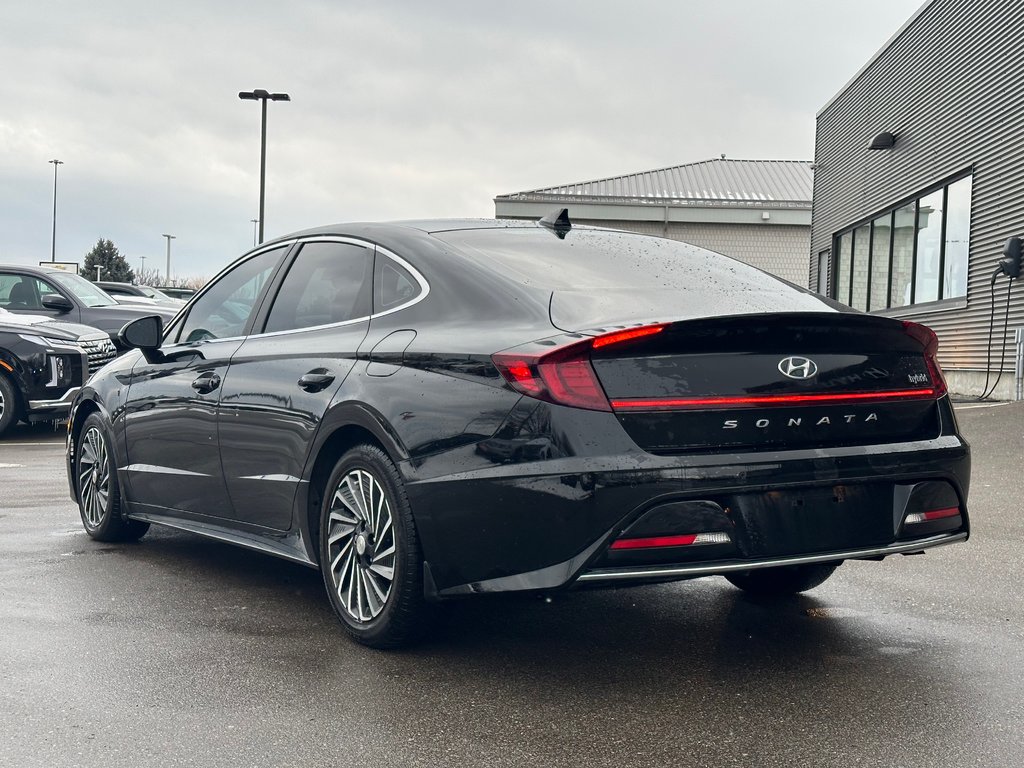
(53,234)
(263,96)
(142,270)
(254,223)
(169,238)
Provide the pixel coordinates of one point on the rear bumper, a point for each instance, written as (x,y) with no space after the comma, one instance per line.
(685,571)
(547,525)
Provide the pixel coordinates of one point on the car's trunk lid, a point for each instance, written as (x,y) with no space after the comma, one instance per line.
(782,380)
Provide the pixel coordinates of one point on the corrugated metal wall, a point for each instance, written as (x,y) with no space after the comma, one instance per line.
(951,87)
(778,249)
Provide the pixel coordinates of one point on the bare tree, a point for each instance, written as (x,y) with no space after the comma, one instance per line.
(147,277)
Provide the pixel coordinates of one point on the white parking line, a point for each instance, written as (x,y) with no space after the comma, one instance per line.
(977,405)
(10,466)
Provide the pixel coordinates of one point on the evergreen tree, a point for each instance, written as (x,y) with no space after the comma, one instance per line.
(115,266)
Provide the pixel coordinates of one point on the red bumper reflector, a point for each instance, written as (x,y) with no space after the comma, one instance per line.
(934,514)
(652,542)
(735,401)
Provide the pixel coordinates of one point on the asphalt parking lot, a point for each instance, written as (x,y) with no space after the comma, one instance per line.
(180,651)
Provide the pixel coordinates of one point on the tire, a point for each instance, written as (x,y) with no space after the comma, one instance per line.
(782,581)
(369,552)
(99,495)
(9,408)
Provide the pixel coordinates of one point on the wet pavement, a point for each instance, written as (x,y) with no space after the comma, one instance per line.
(181,651)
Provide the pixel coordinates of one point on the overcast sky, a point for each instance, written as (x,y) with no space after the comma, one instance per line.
(399,109)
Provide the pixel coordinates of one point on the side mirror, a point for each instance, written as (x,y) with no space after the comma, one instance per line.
(145,333)
(57,302)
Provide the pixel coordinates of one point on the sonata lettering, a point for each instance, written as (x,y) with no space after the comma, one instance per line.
(796,421)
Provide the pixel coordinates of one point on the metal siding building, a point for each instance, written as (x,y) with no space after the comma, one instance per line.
(950,87)
(757,211)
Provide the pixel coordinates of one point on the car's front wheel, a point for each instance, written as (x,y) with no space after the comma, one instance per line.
(782,581)
(8,404)
(369,552)
(99,495)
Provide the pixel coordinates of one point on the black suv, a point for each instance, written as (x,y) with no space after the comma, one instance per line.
(59,294)
(43,364)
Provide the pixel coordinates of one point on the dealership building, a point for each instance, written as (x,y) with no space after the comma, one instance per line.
(757,211)
(919,182)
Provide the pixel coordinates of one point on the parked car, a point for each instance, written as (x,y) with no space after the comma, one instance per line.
(66,296)
(177,293)
(138,293)
(443,409)
(43,364)
(132,300)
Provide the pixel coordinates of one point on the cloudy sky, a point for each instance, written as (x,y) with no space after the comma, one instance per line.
(399,109)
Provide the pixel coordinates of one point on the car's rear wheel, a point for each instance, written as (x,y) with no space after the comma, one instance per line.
(99,495)
(8,405)
(785,580)
(369,552)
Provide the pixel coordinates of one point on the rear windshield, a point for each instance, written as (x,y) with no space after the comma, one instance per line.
(592,259)
(596,277)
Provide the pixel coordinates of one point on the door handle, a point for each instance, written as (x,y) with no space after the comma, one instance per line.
(315,380)
(206,383)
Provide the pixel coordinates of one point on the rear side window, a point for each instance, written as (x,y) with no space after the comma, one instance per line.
(223,310)
(393,285)
(327,283)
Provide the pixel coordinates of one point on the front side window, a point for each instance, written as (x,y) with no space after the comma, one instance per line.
(327,283)
(223,311)
(914,254)
(18,292)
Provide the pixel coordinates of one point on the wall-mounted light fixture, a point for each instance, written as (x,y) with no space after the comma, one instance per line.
(884,140)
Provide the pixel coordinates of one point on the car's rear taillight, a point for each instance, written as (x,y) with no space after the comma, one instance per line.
(927,338)
(564,375)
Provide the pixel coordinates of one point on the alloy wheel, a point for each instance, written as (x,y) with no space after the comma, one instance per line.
(94,477)
(361,545)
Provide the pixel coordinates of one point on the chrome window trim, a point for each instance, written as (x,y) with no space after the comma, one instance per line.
(424,286)
(181,316)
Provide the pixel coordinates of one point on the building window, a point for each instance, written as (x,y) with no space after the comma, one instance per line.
(912,254)
(843,263)
(958,238)
(902,255)
(881,253)
(824,259)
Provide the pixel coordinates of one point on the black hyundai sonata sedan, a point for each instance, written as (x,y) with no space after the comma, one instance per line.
(425,410)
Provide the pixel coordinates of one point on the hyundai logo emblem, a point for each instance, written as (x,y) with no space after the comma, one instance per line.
(798,367)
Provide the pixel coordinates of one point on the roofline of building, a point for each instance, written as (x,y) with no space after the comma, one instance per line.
(870,62)
(653,202)
(540,190)
(602,211)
